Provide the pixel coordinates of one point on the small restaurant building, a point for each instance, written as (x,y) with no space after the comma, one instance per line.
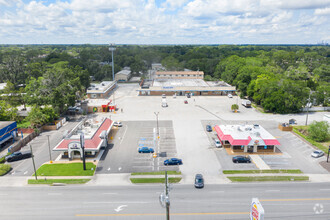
(246,138)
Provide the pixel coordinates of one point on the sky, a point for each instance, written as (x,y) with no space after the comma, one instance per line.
(164,21)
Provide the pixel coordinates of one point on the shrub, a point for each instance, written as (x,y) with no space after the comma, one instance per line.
(4,169)
(3,159)
(319,131)
(234,107)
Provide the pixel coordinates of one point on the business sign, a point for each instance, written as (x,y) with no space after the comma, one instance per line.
(168,87)
(257,211)
(74,145)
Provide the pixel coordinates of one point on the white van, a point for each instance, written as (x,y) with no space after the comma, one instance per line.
(246,103)
(164,103)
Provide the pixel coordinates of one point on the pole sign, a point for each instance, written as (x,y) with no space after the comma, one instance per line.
(82,140)
(257,211)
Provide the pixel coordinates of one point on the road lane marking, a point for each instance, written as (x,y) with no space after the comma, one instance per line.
(324,189)
(272,190)
(162,214)
(118,202)
(110,193)
(25,172)
(119,208)
(109,169)
(292,200)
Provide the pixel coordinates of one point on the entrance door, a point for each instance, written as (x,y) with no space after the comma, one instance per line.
(250,149)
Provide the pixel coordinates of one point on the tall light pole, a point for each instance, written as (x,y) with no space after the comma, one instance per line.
(309,104)
(157,113)
(50,154)
(34,165)
(112,49)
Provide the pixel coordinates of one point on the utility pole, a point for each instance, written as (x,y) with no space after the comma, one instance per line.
(34,165)
(328,154)
(167,198)
(157,113)
(50,154)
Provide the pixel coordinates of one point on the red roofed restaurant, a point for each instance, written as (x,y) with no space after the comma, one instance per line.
(96,137)
(246,138)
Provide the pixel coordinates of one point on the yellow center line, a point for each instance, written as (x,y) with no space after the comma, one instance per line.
(286,200)
(153,214)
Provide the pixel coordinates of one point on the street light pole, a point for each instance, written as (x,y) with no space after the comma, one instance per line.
(167,200)
(308,104)
(34,165)
(82,144)
(112,49)
(50,154)
(156,113)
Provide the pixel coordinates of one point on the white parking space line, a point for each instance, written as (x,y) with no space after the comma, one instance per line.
(25,172)
(109,169)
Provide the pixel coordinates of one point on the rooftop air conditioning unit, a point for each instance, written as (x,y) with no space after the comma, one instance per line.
(103,84)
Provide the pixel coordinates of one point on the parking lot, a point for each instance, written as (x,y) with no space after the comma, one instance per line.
(123,157)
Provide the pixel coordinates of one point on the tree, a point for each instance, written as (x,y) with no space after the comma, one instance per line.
(234,107)
(7,112)
(13,69)
(319,131)
(36,117)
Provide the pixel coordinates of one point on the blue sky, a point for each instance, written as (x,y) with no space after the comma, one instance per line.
(164,21)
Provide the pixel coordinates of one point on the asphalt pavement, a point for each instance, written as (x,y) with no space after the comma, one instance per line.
(231,201)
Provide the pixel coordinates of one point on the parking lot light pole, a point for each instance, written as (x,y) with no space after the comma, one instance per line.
(82,144)
(34,165)
(50,154)
(157,113)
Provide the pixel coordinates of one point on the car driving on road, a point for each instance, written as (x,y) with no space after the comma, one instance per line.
(172,161)
(18,156)
(199,181)
(146,150)
(241,159)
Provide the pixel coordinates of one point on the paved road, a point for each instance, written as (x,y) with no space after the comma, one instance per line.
(280,201)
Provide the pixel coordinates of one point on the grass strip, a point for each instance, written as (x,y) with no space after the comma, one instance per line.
(66,169)
(267,178)
(4,169)
(316,144)
(259,171)
(157,173)
(51,181)
(155,180)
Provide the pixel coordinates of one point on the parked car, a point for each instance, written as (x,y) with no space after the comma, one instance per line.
(208,128)
(199,181)
(317,153)
(18,156)
(188,95)
(241,159)
(185,102)
(117,124)
(217,143)
(146,150)
(230,96)
(172,161)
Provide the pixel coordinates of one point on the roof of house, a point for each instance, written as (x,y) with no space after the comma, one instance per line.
(124,72)
(245,135)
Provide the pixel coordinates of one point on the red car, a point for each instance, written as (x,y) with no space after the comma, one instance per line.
(185,102)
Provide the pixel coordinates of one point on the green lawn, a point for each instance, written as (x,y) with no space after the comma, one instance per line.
(66,169)
(316,144)
(157,173)
(155,180)
(51,181)
(4,169)
(259,171)
(267,178)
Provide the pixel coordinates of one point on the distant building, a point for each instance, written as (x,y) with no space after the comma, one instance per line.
(157,66)
(180,75)
(246,138)
(101,90)
(195,87)
(123,75)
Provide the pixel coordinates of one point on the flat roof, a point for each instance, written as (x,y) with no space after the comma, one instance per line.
(245,135)
(100,87)
(4,124)
(179,73)
(179,83)
(124,72)
(92,135)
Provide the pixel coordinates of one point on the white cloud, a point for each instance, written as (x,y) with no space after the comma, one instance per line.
(295,4)
(322,11)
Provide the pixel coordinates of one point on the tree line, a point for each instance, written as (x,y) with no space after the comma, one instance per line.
(278,78)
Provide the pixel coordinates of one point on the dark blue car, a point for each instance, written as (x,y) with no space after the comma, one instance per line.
(208,128)
(145,150)
(173,161)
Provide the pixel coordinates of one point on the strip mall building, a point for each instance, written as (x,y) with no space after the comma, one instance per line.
(246,138)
